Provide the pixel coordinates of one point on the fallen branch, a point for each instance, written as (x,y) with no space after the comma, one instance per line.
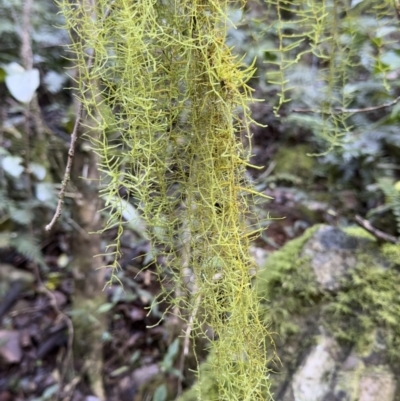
(375,232)
(338,110)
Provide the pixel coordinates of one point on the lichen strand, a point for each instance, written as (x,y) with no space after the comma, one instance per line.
(326,31)
(164,90)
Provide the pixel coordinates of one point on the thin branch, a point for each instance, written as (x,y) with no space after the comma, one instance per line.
(26,48)
(338,110)
(67,174)
(375,232)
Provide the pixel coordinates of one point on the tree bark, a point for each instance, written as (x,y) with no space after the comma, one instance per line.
(89,277)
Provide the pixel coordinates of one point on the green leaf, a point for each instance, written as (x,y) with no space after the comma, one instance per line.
(119,295)
(106,307)
(2,74)
(391,59)
(161,393)
(21,216)
(171,354)
(50,391)
(25,246)
(395,111)
(119,371)
(134,357)
(176,373)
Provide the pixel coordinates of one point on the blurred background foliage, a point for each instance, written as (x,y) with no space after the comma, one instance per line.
(359,175)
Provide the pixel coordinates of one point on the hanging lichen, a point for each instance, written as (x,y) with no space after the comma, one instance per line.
(165,91)
(326,34)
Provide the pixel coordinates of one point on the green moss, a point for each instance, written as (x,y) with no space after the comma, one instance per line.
(369,299)
(287,283)
(359,232)
(294,162)
(392,253)
(283,261)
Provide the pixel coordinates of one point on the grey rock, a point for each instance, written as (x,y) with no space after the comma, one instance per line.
(331,252)
(312,380)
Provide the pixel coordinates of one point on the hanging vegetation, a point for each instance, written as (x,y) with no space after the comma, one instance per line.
(164,92)
(327,36)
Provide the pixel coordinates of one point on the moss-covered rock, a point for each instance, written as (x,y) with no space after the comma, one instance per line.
(333,297)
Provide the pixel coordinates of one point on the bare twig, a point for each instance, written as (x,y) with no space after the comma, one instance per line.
(338,110)
(375,232)
(26,48)
(67,174)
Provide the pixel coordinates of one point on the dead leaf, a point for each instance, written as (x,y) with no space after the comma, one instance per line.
(10,348)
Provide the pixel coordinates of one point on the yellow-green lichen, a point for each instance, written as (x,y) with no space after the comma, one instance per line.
(163,91)
(329,33)
(209,385)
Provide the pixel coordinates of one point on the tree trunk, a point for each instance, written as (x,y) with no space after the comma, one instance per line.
(89,277)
